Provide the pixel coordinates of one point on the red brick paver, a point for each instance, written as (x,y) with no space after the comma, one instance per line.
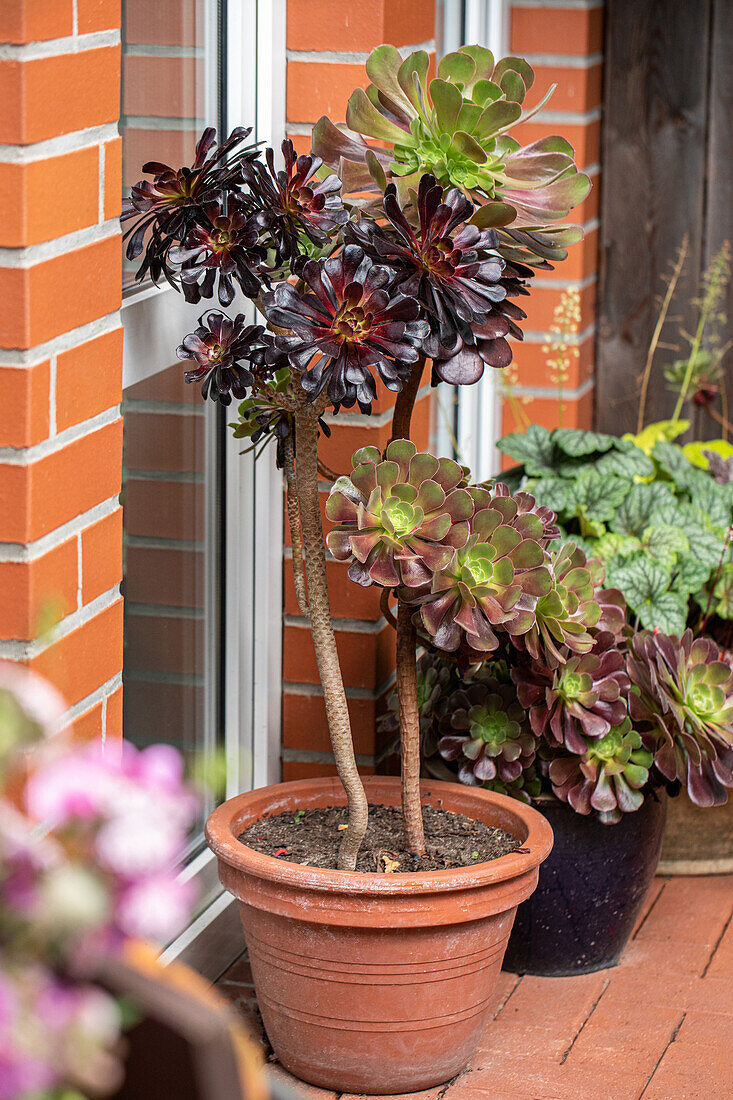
(657,1027)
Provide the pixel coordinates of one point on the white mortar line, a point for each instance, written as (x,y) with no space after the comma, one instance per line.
(347,626)
(532,337)
(54,47)
(350,57)
(29,551)
(24,456)
(59,246)
(99,695)
(143,49)
(29,357)
(551,392)
(57,146)
(15,650)
(563,60)
(568,118)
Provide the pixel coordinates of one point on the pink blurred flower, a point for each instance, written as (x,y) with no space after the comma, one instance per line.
(132,845)
(156,908)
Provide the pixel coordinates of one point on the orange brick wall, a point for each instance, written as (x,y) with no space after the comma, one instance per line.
(564,46)
(61,351)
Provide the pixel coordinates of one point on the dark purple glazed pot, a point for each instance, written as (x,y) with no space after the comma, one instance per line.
(590,892)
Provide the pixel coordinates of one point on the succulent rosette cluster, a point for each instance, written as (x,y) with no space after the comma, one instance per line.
(582,698)
(349,324)
(223,249)
(567,612)
(398,518)
(231,356)
(294,204)
(168,207)
(486,728)
(682,701)
(453,269)
(455,126)
(607,777)
(492,582)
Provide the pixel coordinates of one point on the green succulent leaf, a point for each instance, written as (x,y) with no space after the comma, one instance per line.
(458,67)
(575,442)
(533,448)
(646,586)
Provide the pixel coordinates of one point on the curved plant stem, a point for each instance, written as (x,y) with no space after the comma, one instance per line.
(671,287)
(386,609)
(324,642)
(409,730)
(326,472)
(405,403)
(407,658)
(296,533)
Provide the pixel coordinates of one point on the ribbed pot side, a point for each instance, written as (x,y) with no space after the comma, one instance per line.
(376,983)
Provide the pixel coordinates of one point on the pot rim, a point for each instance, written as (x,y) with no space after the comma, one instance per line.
(225,822)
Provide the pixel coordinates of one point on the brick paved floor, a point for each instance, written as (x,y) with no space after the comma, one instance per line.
(659,1026)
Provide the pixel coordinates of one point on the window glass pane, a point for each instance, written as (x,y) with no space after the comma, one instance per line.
(171,636)
(169,85)
(171,485)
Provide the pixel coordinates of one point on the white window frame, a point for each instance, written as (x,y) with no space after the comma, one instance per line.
(252,588)
(478,408)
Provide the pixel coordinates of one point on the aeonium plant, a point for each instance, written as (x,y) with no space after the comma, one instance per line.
(358,295)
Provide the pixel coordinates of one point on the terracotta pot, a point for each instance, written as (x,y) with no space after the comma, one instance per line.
(373,983)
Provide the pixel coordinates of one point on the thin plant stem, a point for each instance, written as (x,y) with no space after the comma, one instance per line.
(409,730)
(296,532)
(406,664)
(715,277)
(667,301)
(716,578)
(324,641)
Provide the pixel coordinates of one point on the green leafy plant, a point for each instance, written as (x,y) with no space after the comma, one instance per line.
(655,519)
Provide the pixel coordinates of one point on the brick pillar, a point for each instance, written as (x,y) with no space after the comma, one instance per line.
(328,44)
(563,45)
(61,351)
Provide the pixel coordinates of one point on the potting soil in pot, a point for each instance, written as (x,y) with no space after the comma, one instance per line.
(312,837)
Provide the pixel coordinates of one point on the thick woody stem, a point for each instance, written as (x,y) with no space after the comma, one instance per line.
(324,641)
(296,533)
(405,402)
(409,731)
(407,658)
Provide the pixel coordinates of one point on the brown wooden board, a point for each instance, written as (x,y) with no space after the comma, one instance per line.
(667,137)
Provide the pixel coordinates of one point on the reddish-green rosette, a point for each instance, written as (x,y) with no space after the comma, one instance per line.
(493,581)
(399,518)
(682,700)
(487,729)
(608,777)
